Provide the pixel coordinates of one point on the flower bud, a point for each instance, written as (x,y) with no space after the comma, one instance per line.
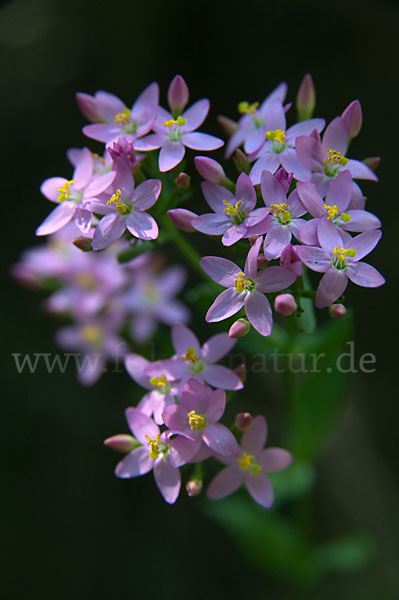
(338,311)
(209,169)
(239,328)
(183,181)
(88,107)
(285,304)
(182,218)
(241,371)
(178,95)
(123,149)
(353,118)
(82,243)
(228,126)
(306,98)
(243,420)
(284,178)
(372,162)
(291,261)
(122,442)
(241,161)
(194,487)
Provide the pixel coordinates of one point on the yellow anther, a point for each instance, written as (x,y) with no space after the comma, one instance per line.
(154,446)
(278,135)
(64,191)
(121,207)
(159,381)
(247,463)
(345,217)
(230,209)
(190,356)
(115,197)
(180,121)
(342,253)
(332,211)
(281,211)
(196,421)
(92,334)
(245,108)
(335,158)
(123,117)
(240,282)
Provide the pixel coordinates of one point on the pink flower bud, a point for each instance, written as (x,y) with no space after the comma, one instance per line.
(306,98)
(372,162)
(122,442)
(338,311)
(284,178)
(291,261)
(194,487)
(178,95)
(88,107)
(228,126)
(243,420)
(241,371)
(209,169)
(82,243)
(262,262)
(285,304)
(241,161)
(182,218)
(353,118)
(123,149)
(183,181)
(239,328)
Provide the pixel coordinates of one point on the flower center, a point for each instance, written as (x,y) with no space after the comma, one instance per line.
(281,212)
(197,365)
(241,283)
(121,207)
(333,211)
(92,334)
(278,135)
(245,108)
(340,255)
(235,211)
(196,421)
(123,117)
(247,463)
(64,191)
(161,383)
(154,446)
(333,162)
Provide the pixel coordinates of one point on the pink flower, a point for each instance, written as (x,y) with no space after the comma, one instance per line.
(251,466)
(157,452)
(173,133)
(246,288)
(196,418)
(339,262)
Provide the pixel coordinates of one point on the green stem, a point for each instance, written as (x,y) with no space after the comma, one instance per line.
(189,254)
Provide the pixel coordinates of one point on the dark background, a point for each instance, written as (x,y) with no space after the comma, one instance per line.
(69,528)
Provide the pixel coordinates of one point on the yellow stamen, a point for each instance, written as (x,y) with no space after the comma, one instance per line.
(123,117)
(332,211)
(281,211)
(240,282)
(120,206)
(335,158)
(247,463)
(278,135)
(190,356)
(345,217)
(91,334)
(154,446)
(245,108)
(196,421)
(159,381)
(230,209)
(180,121)
(64,191)
(342,253)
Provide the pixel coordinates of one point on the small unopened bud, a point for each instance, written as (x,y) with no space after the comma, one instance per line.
(228,126)
(338,311)
(82,243)
(243,420)
(178,95)
(241,371)
(182,218)
(122,442)
(239,328)
(241,161)
(123,149)
(353,118)
(306,98)
(88,106)
(262,261)
(209,169)
(252,239)
(285,304)
(372,162)
(183,181)
(194,487)
(284,178)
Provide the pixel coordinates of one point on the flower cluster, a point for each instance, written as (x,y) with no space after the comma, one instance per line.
(292,204)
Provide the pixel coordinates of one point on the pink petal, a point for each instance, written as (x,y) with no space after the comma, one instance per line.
(226,304)
(147,193)
(245,192)
(274,279)
(182,450)
(259,312)
(233,234)
(364,243)
(216,347)
(141,425)
(310,152)
(328,234)
(58,218)
(315,258)
(195,115)
(251,262)
(361,220)
(134,464)
(276,240)
(99,184)
(202,141)
(275,459)
(109,105)
(267,162)
(83,220)
(360,171)
(183,338)
(292,164)
(220,439)
(171,154)
(142,225)
(84,169)
(254,438)
(365,275)
(305,128)
(135,366)
(275,118)
(336,136)
(168,480)
(150,142)
(308,233)
(217,404)
(254,140)
(102,132)
(50,187)
(310,199)
(110,228)
(211,224)
(332,285)
(178,93)
(227,481)
(222,377)
(260,489)
(221,270)
(272,190)
(215,195)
